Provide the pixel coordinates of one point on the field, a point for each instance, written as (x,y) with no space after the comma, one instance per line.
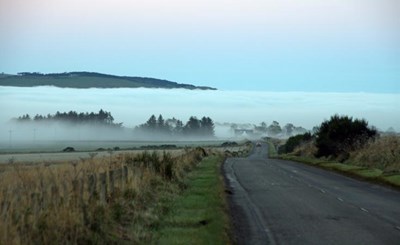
(123,198)
(50,151)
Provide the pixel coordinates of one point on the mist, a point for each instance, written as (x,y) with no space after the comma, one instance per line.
(133,107)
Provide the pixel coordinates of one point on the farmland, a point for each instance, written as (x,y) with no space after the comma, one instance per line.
(44,151)
(104,197)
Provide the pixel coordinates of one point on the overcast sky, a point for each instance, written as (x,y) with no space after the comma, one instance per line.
(272,45)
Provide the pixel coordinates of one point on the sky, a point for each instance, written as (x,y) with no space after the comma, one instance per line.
(262,45)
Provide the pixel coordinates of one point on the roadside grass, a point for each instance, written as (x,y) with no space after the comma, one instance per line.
(272,149)
(199,215)
(119,199)
(354,170)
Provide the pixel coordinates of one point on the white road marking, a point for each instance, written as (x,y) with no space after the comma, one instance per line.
(340,199)
(364,210)
(322,190)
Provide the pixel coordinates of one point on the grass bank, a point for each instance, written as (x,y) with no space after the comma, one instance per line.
(199,215)
(377,161)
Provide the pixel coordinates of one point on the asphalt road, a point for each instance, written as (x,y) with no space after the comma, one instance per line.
(283,202)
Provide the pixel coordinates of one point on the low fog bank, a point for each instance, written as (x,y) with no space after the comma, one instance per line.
(133,107)
(47,131)
(55,136)
(59,131)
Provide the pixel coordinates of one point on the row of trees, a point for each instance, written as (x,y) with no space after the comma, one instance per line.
(275,129)
(203,127)
(100,118)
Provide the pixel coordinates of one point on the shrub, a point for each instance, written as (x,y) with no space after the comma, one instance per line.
(294,142)
(340,135)
(69,149)
(383,153)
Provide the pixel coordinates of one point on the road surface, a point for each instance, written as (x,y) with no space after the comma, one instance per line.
(283,202)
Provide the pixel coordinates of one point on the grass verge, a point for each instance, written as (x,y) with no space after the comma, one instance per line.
(370,174)
(199,215)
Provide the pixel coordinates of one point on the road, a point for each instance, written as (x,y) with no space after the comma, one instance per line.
(283,202)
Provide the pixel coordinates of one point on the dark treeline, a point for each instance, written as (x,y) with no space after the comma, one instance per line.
(203,127)
(103,118)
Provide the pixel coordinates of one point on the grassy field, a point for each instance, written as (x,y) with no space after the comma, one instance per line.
(139,197)
(43,146)
(115,199)
(199,216)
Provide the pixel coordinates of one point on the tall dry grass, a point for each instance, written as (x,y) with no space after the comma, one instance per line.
(306,149)
(382,153)
(114,199)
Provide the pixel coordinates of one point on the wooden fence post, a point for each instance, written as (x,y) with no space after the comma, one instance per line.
(125,174)
(103,187)
(112,182)
(92,183)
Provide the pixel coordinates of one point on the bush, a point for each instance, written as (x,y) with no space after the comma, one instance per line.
(294,142)
(340,135)
(69,149)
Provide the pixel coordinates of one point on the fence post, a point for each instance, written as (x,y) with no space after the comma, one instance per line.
(125,174)
(92,183)
(103,187)
(111,174)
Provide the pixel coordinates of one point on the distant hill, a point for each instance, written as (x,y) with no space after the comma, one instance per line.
(89,80)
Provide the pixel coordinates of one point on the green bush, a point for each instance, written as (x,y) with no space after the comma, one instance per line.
(342,134)
(294,142)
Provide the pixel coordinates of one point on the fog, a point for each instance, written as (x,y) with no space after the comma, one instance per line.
(134,106)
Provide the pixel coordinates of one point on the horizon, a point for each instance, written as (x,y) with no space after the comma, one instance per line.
(133,106)
(329,46)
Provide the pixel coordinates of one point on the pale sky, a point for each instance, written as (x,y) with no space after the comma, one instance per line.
(270,45)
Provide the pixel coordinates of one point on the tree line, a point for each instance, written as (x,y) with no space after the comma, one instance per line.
(203,127)
(101,118)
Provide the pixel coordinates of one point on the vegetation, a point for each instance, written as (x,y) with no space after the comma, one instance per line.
(89,80)
(203,127)
(348,146)
(102,118)
(382,153)
(293,142)
(118,199)
(342,134)
(199,215)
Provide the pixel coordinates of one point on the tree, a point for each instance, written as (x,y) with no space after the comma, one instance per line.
(151,123)
(24,118)
(274,128)
(342,134)
(179,126)
(207,126)
(289,128)
(294,142)
(192,127)
(160,123)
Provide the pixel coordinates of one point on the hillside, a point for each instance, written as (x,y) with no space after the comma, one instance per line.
(89,80)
